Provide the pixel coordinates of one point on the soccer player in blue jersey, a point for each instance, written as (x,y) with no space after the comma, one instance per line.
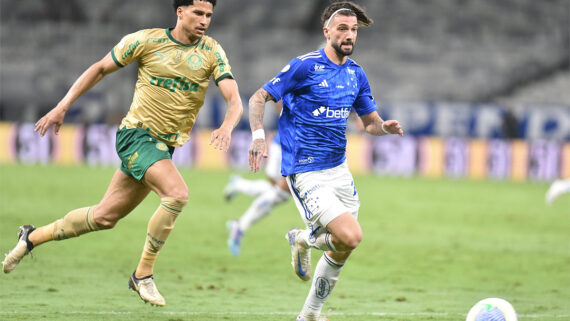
(318,91)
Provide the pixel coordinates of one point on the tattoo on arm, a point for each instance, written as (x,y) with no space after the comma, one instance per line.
(257,108)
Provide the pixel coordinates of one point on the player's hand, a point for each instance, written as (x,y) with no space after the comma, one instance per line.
(393,127)
(257,150)
(53,117)
(221,138)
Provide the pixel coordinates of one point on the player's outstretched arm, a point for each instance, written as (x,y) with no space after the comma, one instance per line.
(375,125)
(222,136)
(258,147)
(86,81)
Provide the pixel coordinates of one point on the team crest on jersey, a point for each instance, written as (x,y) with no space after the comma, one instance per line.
(161,146)
(194,62)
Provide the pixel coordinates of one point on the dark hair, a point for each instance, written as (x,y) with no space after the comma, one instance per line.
(352,10)
(180,3)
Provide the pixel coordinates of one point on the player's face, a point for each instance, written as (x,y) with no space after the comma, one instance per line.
(195,19)
(341,34)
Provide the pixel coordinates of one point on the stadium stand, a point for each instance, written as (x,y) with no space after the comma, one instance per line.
(510,51)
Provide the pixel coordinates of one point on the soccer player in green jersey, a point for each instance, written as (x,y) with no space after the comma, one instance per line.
(174,69)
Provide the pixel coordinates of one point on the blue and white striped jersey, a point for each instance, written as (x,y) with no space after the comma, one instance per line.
(318,96)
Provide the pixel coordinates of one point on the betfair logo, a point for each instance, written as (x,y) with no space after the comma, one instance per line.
(331,113)
(176,83)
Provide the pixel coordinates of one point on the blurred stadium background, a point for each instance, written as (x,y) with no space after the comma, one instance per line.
(464,77)
(482,88)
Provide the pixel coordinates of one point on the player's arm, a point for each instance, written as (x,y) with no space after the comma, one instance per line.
(86,81)
(375,125)
(222,136)
(258,147)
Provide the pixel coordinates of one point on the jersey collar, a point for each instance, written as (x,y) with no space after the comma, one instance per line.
(169,34)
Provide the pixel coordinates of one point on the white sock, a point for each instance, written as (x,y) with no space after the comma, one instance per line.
(318,239)
(262,206)
(324,280)
(252,187)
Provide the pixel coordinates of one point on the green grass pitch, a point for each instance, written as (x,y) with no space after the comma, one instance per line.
(431,249)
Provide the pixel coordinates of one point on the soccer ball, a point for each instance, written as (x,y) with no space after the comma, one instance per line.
(492,309)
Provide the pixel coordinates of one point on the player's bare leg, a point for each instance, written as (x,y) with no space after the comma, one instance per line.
(164,179)
(123,195)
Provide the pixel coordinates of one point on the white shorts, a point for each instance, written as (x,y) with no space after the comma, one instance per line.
(273,163)
(321,196)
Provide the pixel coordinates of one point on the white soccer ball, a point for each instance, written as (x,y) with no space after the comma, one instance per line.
(492,309)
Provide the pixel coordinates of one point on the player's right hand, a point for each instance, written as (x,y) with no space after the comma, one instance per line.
(257,150)
(53,117)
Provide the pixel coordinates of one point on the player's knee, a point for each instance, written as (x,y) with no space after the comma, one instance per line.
(174,204)
(180,194)
(352,240)
(106,221)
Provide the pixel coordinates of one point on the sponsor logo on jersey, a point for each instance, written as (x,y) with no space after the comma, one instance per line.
(275,80)
(286,68)
(319,67)
(176,83)
(203,46)
(350,71)
(319,111)
(308,160)
(130,50)
(324,83)
(158,40)
(221,62)
(332,113)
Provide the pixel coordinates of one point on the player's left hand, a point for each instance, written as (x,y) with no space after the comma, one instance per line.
(221,138)
(257,150)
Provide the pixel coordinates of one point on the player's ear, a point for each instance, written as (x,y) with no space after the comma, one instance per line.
(326,33)
(179,12)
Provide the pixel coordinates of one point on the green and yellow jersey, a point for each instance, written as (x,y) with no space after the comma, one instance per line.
(172,81)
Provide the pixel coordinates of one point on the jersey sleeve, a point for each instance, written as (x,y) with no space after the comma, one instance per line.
(129,48)
(287,79)
(222,68)
(364,102)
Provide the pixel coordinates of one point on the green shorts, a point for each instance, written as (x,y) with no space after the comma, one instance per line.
(138,149)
